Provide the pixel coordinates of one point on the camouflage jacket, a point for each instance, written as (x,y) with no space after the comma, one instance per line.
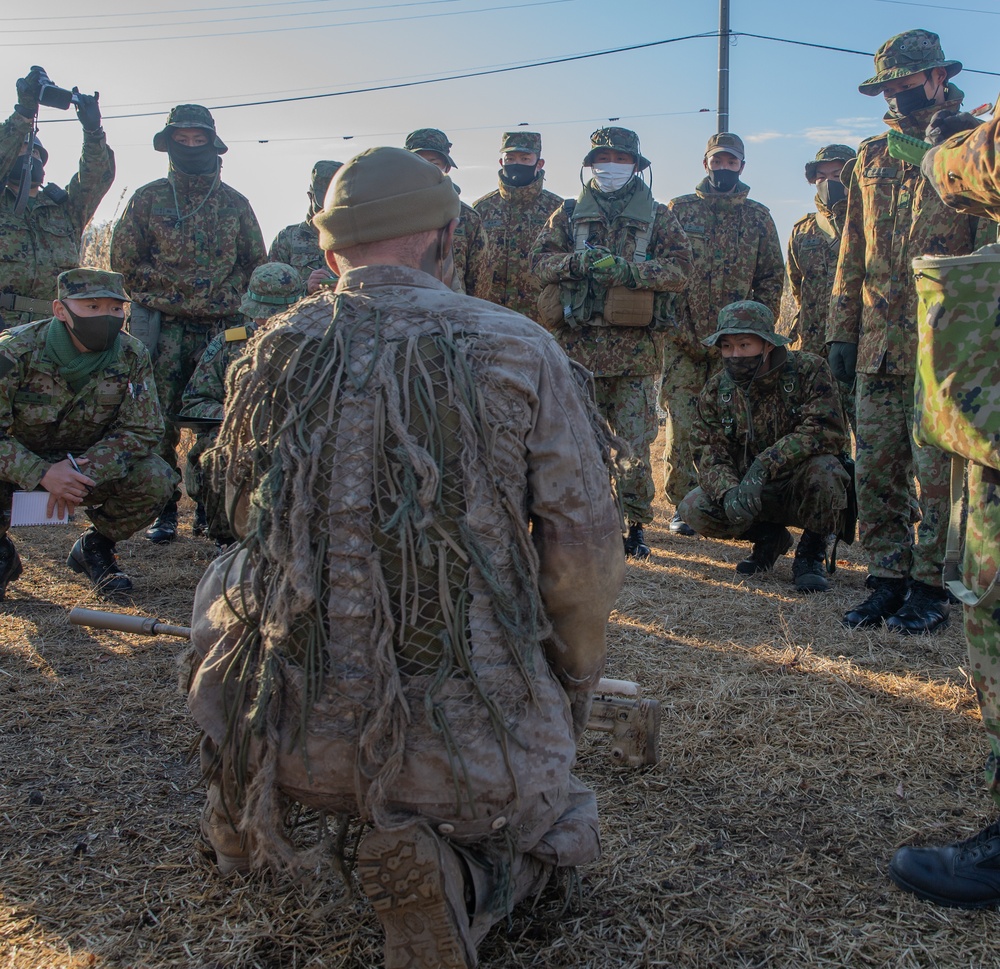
(473,255)
(513,217)
(812,263)
(736,254)
(790,414)
(45,240)
(298,245)
(114,420)
(893,215)
(618,351)
(205,394)
(195,269)
(965,170)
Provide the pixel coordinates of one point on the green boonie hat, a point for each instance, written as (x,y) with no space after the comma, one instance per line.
(728,142)
(273,287)
(188,116)
(828,153)
(619,139)
(911,52)
(91,283)
(430,139)
(322,174)
(746,316)
(521,141)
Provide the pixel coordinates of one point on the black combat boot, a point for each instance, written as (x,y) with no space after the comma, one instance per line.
(10,564)
(925,609)
(200,524)
(809,567)
(770,542)
(680,527)
(635,542)
(962,875)
(94,556)
(886,597)
(164,529)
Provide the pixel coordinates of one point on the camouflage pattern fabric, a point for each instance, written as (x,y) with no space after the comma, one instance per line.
(513,217)
(114,421)
(965,170)
(736,255)
(298,246)
(474,255)
(45,239)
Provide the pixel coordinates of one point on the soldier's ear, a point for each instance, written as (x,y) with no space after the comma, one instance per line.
(331,261)
(59,311)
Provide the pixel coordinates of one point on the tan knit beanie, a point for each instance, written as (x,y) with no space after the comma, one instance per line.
(385,193)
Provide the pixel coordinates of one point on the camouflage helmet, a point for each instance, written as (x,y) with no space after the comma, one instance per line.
(746,316)
(87,283)
(911,52)
(726,141)
(430,139)
(530,141)
(322,174)
(273,288)
(188,116)
(618,139)
(828,153)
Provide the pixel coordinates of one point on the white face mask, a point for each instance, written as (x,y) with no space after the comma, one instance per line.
(611,176)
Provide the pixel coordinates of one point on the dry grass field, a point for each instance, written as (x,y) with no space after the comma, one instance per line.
(795,756)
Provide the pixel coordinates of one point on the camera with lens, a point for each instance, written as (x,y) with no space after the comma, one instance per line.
(53,96)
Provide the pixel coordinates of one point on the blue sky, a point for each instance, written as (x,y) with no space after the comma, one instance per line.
(786,101)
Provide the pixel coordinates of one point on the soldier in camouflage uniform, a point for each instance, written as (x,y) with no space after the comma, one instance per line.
(186,245)
(298,245)
(893,214)
(615,239)
(79,418)
(966,173)
(513,215)
(44,239)
(767,442)
(736,255)
(274,287)
(473,247)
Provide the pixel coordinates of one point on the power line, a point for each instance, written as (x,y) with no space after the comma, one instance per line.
(938,6)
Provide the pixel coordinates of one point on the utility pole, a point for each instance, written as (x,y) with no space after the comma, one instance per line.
(723,117)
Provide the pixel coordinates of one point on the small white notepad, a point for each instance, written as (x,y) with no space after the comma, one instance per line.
(28,508)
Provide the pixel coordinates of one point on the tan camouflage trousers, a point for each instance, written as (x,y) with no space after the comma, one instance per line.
(683,380)
(887,460)
(982,623)
(628,405)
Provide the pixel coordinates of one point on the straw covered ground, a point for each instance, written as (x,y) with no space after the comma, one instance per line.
(794,757)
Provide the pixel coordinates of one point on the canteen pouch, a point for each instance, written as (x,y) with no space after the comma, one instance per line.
(628,307)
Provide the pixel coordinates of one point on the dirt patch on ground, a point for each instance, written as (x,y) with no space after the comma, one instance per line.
(795,757)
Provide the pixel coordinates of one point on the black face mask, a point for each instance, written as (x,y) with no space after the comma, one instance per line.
(193,160)
(910,102)
(831,192)
(37,170)
(518,175)
(743,369)
(722,179)
(96,333)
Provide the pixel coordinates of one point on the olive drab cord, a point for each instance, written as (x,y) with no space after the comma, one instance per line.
(181,219)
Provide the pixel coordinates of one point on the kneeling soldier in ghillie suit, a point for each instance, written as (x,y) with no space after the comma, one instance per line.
(274,287)
(767,445)
(412,626)
(79,418)
(298,245)
(610,262)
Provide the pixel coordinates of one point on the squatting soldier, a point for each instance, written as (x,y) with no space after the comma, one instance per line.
(401,580)
(964,170)
(736,255)
(610,262)
(274,287)
(894,214)
(767,443)
(186,245)
(79,418)
(298,245)
(513,215)
(44,239)
(473,247)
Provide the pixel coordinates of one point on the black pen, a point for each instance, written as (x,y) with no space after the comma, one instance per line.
(77,469)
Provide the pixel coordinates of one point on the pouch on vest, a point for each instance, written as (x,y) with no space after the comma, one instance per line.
(628,307)
(144,324)
(956,407)
(549,305)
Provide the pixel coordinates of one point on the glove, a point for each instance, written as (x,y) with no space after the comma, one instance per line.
(618,274)
(88,110)
(944,124)
(843,359)
(580,263)
(28,89)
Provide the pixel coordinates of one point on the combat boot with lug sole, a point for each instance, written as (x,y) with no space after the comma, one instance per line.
(809,566)
(164,529)
(10,565)
(886,597)
(635,542)
(770,542)
(94,556)
(926,608)
(678,526)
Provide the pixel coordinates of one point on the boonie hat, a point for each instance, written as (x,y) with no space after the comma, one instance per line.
(826,154)
(273,287)
(322,174)
(618,139)
(188,116)
(746,316)
(91,284)
(910,52)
